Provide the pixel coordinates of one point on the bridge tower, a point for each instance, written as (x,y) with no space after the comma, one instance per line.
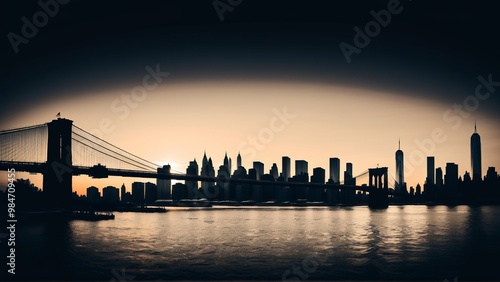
(57,178)
(379,188)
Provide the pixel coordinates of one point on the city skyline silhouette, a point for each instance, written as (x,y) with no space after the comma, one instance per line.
(397,182)
(214,85)
(246,140)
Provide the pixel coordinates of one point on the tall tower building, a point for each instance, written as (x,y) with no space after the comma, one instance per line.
(93,194)
(315,194)
(163,185)
(138,193)
(451,176)
(430,171)
(204,162)
(207,170)
(475,155)
(123,191)
(285,164)
(259,168)
(335,169)
(301,167)
(348,169)
(348,196)
(274,171)
(227,165)
(400,178)
(151,192)
(439,177)
(238,161)
(191,185)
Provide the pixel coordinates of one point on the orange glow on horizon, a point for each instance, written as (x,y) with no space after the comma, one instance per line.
(176,122)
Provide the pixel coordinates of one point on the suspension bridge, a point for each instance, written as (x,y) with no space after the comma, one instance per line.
(60,150)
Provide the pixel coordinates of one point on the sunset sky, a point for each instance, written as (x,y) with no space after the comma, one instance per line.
(227,79)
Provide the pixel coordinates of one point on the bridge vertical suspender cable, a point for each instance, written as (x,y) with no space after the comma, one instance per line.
(25,144)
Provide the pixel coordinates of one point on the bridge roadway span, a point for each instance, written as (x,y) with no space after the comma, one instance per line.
(91,171)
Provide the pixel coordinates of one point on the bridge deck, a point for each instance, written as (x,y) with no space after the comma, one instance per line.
(81,170)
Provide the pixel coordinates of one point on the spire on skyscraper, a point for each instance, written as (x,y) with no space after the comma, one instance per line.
(399,185)
(226,163)
(475,153)
(238,160)
(204,161)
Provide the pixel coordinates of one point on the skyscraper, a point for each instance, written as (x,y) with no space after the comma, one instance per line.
(348,171)
(163,185)
(285,164)
(335,169)
(179,191)
(400,178)
(151,192)
(301,167)
(227,165)
(123,192)
(315,194)
(93,194)
(451,176)
(138,192)
(274,171)
(204,161)
(348,196)
(259,169)
(439,177)
(191,185)
(223,193)
(238,161)
(491,177)
(475,155)
(318,175)
(430,171)
(207,169)
(110,194)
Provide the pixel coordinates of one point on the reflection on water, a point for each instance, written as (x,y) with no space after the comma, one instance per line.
(402,242)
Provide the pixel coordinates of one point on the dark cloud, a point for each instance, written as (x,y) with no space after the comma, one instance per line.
(436,50)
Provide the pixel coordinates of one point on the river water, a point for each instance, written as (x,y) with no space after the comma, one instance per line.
(293,244)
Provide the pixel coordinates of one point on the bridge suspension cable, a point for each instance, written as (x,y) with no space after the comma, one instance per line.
(90,150)
(14,130)
(120,155)
(362,174)
(25,144)
(111,156)
(393,180)
(357,176)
